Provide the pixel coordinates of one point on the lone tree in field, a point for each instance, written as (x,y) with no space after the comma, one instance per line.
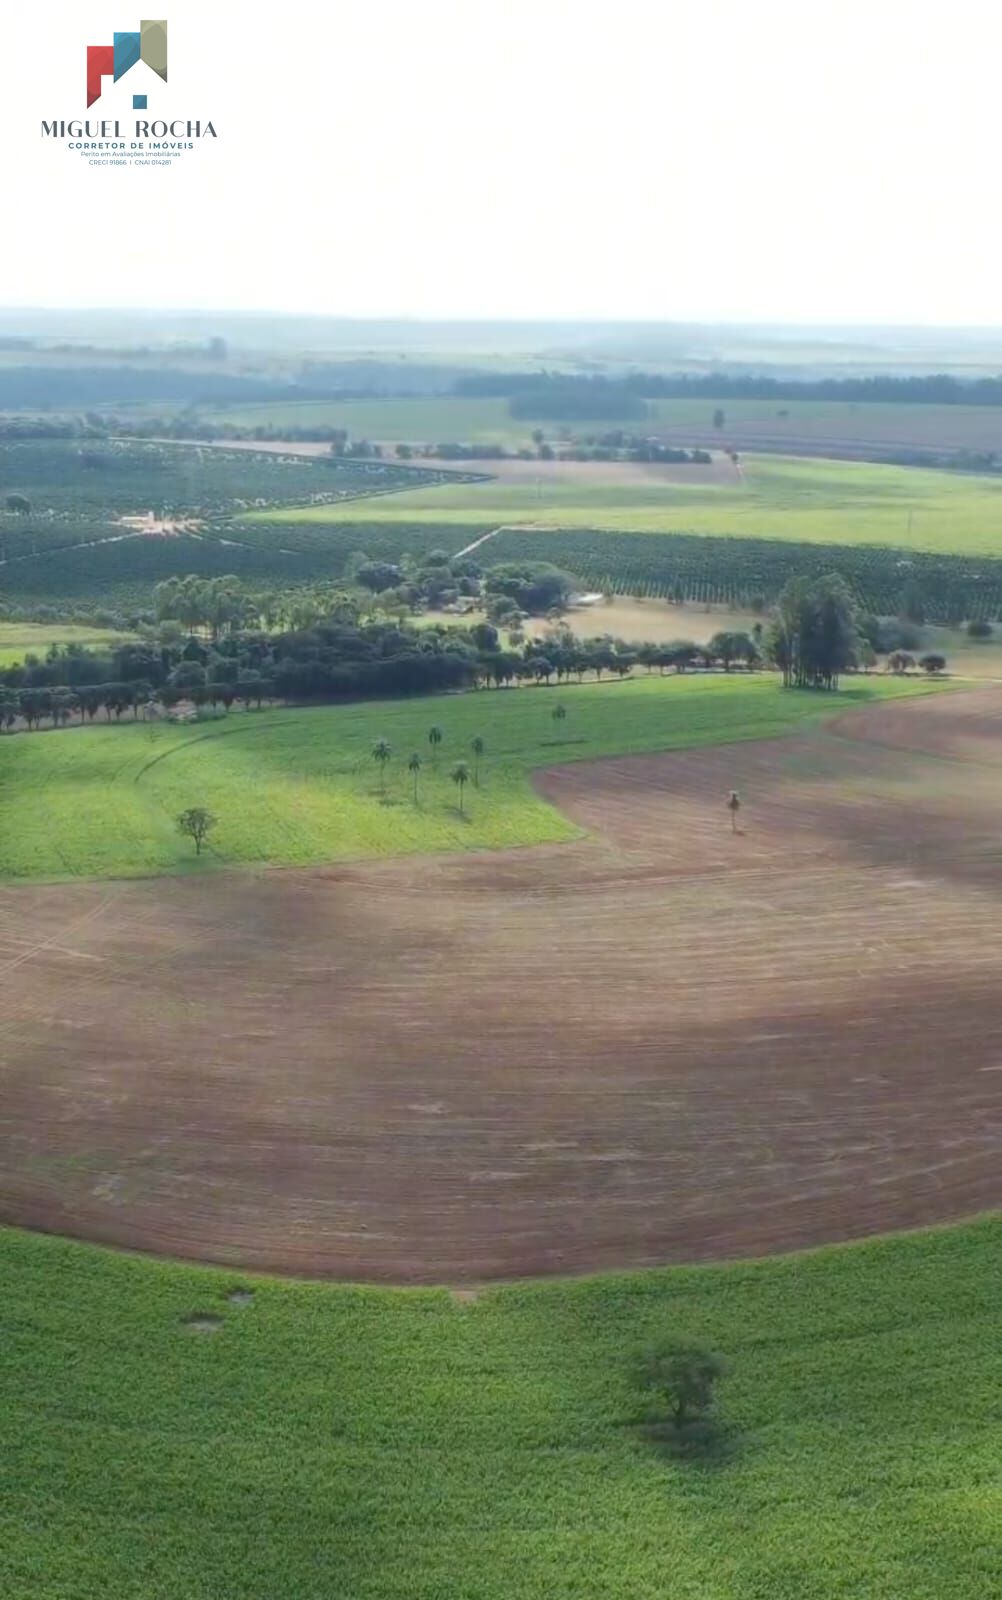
(461,777)
(734,806)
(414,768)
(478,747)
(718,418)
(434,739)
(381,753)
(559,713)
(682,1377)
(196,823)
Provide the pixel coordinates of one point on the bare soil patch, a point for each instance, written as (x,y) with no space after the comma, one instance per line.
(598,473)
(604,474)
(648,620)
(660,1043)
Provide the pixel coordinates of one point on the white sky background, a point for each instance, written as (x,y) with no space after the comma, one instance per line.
(761,160)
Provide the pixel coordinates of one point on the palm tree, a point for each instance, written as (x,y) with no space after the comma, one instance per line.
(559,713)
(477,746)
(381,752)
(734,806)
(461,777)
(434,739)
(414,767)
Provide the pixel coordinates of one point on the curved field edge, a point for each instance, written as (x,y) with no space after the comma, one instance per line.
(378,1443)
(299,787)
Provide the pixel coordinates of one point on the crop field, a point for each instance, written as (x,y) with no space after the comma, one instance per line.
(347,1166)
(356,1071)
(108,476)
(75,495)
(294,787)
(120,573)
(820,427)
(817,427)
(868,522)
(400,1445)
(71,543)
(847,503)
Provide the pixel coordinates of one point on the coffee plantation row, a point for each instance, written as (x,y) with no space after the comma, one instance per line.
(733,571)
(118,575)
(53,493)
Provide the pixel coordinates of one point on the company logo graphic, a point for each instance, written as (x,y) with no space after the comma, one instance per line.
(148,45)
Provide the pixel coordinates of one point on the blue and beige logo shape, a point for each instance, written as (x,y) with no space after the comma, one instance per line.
(148,45)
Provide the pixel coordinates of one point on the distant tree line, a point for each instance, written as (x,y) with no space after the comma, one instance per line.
(953,460)
(616,445)
(195,378)
(610,397)
(31,388)
(573,399)
(52,427)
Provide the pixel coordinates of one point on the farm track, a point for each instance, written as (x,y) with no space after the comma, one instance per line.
(661,1042)
(86,544)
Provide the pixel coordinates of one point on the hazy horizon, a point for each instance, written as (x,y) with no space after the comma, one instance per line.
(418,319)
(707,164)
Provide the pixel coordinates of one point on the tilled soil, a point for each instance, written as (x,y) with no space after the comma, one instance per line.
(665,1042)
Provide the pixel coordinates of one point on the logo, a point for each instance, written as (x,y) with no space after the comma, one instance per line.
(149,45)
(110,139)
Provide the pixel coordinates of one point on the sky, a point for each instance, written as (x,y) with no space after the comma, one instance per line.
(679,160)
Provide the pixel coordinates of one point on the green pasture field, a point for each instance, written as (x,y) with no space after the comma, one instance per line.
(300,786)
(434,419)
(18,639)
(380,1444)
(840,502)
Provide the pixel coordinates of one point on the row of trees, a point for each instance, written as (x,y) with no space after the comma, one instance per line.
(59,706)
(613,446)
(570,395)
(350,663)
(816,635)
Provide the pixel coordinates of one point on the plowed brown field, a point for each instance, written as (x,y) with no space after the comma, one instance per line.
(661,1043)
